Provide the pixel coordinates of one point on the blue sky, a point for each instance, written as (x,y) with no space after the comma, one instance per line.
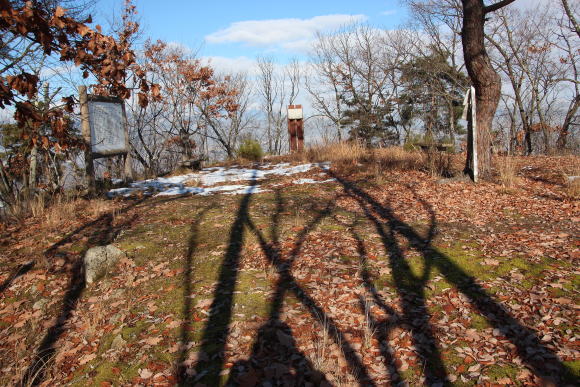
(243,30)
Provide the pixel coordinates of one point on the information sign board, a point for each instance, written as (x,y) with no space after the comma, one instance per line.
(107,121)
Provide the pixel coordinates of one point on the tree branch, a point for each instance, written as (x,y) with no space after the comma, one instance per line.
(496,6)
(571,16)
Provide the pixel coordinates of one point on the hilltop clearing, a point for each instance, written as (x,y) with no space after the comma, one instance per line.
(373,277)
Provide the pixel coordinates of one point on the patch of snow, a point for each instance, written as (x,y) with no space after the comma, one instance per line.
(121,192)
(180,190)
(312,181)
(226,189)
(209,177)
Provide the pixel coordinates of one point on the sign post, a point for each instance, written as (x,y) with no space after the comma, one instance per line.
(296,128)
(86,133)
(470,114)
(105,132)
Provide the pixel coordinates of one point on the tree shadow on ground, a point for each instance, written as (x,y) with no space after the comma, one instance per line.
(274,341)
(275,356)
(99,232)
(20,271)
(539,358)
(378,328)
(181,368)
(216,330)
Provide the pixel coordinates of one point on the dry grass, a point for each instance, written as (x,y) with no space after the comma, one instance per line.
(507,171)
(325,358)
(573,188)
(397,158)
(349,154)
(342,153)
(345,155)
(369,328)
(572,183)
(570,177)
(62,211)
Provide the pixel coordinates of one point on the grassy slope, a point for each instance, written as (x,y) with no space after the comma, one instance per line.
(202,273)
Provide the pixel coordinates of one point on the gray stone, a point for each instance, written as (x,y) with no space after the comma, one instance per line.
(98,260)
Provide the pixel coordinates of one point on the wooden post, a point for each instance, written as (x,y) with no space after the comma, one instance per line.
(127,159)
(86,132)
(295,128)
(474,135)
(470,114)
(292,135)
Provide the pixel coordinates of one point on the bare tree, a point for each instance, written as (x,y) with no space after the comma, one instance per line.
(533,50)
(323,85)
(353,82)
(273,85)
(196,106)
(227,130)
(568,43)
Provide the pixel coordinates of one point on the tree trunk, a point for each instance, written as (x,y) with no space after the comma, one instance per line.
(563,135)
(571,17)
(486,81)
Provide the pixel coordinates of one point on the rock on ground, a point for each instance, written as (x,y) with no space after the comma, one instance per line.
(98,259)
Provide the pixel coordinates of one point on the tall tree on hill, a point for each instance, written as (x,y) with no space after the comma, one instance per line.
(485,79)
(432,91)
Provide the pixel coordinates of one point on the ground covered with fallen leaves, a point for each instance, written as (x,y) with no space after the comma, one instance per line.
(383,278)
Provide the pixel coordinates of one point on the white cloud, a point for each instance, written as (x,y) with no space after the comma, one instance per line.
(389,12)
(289,33)
(302,46)
(241,64)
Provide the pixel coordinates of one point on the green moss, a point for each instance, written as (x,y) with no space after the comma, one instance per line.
(131,333)
(458,264)
(435,309)
(469,261)
(496,372)
(384,281)
(479,322)
(76,247)
(326,226)
(512,213)
(104,373)
(417,266)
(249,302)
(348,259)
(437,287)
(139,246)
(574,368)
(105,344)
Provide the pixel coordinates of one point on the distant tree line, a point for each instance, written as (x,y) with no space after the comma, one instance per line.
(387,87)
